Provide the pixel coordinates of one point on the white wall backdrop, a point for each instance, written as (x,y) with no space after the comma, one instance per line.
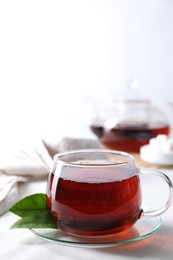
(54,53)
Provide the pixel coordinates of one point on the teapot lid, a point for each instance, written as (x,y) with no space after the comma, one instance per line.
(132,93)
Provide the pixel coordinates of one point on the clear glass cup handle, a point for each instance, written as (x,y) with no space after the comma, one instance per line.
(154,213)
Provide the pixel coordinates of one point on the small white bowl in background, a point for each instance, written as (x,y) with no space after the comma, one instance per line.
(158,151)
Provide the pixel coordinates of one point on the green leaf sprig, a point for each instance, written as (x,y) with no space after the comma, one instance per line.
(33,212)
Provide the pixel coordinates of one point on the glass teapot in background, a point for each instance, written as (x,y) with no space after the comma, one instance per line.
(127,123)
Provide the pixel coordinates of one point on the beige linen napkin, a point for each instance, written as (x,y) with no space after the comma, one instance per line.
(22,164)
(30,162)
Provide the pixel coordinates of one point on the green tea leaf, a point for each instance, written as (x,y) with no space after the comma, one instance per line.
(33,211)
(34,221)
(30,205)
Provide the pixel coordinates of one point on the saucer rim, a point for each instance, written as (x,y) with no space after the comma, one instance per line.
(94,244)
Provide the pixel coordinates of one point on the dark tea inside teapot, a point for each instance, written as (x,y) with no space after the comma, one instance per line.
(128,124)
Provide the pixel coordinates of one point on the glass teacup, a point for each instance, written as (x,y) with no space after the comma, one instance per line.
(98,192)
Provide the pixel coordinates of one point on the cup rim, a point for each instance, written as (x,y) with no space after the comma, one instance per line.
(58,157)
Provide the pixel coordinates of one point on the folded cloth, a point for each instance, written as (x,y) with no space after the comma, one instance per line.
(68,144)
(31,161)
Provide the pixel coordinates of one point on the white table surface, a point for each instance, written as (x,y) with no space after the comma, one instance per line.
(21,244)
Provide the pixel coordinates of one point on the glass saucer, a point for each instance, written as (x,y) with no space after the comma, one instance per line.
(141,230)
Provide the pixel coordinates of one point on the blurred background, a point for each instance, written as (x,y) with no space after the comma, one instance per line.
(56,54)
